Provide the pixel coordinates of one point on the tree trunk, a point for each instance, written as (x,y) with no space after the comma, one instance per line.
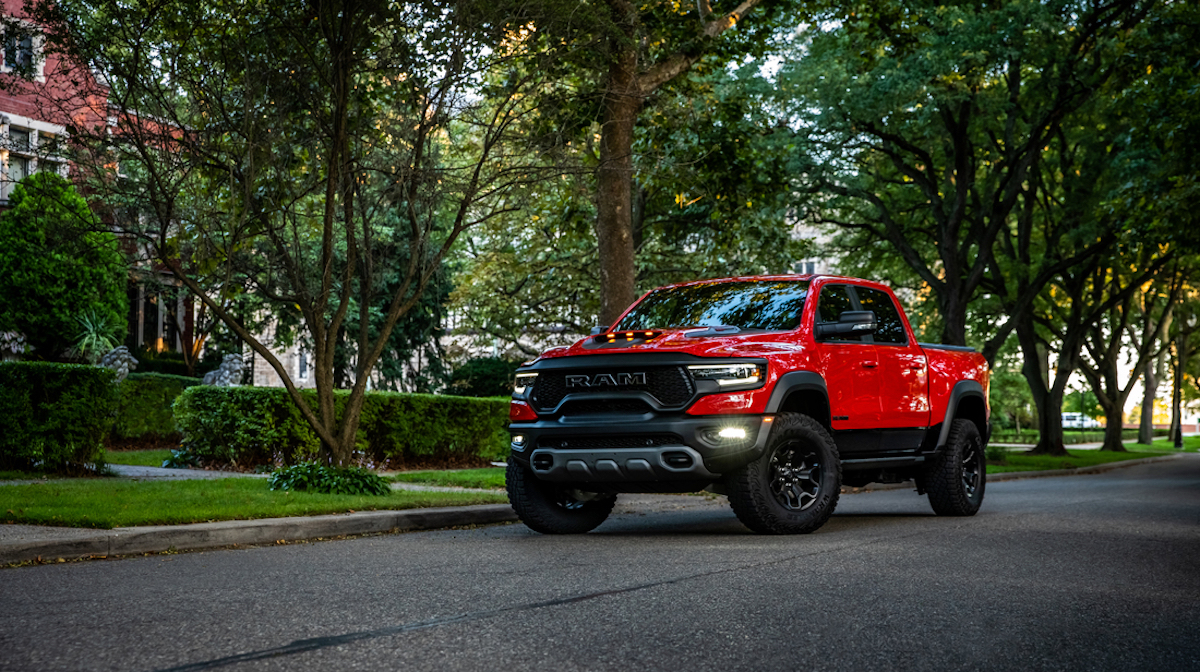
(954,317)
(614,220)
(1149,392)
(1113,430)
(1047,399)
(1155,372)
(1177,388)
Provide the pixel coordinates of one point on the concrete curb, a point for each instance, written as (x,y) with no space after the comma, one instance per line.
(1016,475)
(159,538)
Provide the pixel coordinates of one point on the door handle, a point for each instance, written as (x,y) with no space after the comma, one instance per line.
(870,365)
(916,367)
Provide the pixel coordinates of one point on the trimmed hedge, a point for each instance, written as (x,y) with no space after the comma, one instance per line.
(56,415)
(144,408)
(259,425)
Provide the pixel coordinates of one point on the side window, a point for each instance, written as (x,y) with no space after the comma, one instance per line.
(889,326)
(833,302)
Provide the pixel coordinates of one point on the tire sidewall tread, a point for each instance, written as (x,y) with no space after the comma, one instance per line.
(533,501)
(749,487)
(943,478)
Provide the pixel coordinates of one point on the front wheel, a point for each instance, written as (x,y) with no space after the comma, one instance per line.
(793,488)
(955,479)
(552,508)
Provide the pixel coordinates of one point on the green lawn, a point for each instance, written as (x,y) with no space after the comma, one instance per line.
(137,458)
(106,503)
(1078,458)
(487,478)
(1191,444)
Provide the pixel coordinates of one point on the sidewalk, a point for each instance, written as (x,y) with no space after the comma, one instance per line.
(25,543)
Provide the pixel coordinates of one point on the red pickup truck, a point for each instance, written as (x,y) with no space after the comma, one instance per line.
(775,391)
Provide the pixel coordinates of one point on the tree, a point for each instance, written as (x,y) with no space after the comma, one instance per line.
(632,52)
(712,197)
(57,268)
(274,144)
(1132,322)
(929,121)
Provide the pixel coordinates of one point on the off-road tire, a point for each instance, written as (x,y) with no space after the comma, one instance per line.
(551,508)
(793,488)
(955,480)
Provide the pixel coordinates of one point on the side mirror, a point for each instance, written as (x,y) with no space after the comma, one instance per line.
(600,329)
(855,322)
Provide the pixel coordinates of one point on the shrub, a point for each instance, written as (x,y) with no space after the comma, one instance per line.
(56,415)
(328,480)
(144,407)
(996,454)
(172,363)
(243,425)
(56,267)
(483,377)
(256,425)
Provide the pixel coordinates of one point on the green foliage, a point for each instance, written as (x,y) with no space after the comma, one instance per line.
(55,415)
(328,480)
(243,426)
(97,335)
(483,377)
(180,459)
(1083,401)
(58,266)
(996,454)
(713,189)
(144,409)
(255,425)
(334,153)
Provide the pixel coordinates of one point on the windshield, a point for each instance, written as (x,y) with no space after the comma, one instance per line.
(766,305)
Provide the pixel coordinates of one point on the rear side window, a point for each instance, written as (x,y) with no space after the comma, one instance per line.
(833,302)
(889,326)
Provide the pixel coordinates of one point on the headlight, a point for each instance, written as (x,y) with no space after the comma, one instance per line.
(726,375)
(523,382)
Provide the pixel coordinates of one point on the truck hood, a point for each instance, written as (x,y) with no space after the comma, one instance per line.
(751,344)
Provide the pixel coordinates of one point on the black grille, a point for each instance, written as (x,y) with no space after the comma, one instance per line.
(670,385)
(604,442)
(592,406)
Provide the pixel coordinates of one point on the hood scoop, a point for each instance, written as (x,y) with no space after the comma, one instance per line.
(706,332)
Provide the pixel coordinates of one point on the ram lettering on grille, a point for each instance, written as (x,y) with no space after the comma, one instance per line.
(606,379)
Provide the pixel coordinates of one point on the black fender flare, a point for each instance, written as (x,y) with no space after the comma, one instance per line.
(798,381)
(963,389)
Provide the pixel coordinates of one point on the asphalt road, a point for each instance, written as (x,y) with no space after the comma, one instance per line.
(1098,572)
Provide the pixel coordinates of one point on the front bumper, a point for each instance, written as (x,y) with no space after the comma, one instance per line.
(637,449)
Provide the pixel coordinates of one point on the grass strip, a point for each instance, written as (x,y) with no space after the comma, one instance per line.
(137,458)
(1075,459)
(1191,444)
(106,503)
(486,478)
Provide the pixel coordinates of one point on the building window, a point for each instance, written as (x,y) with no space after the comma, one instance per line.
(18,52)
(18,139)
(18,168)
(302,372)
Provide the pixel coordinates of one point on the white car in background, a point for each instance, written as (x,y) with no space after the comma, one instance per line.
(1078,421)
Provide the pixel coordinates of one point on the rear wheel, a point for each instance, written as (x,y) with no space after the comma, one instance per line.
(553,508)
(955,480)
(793,488)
